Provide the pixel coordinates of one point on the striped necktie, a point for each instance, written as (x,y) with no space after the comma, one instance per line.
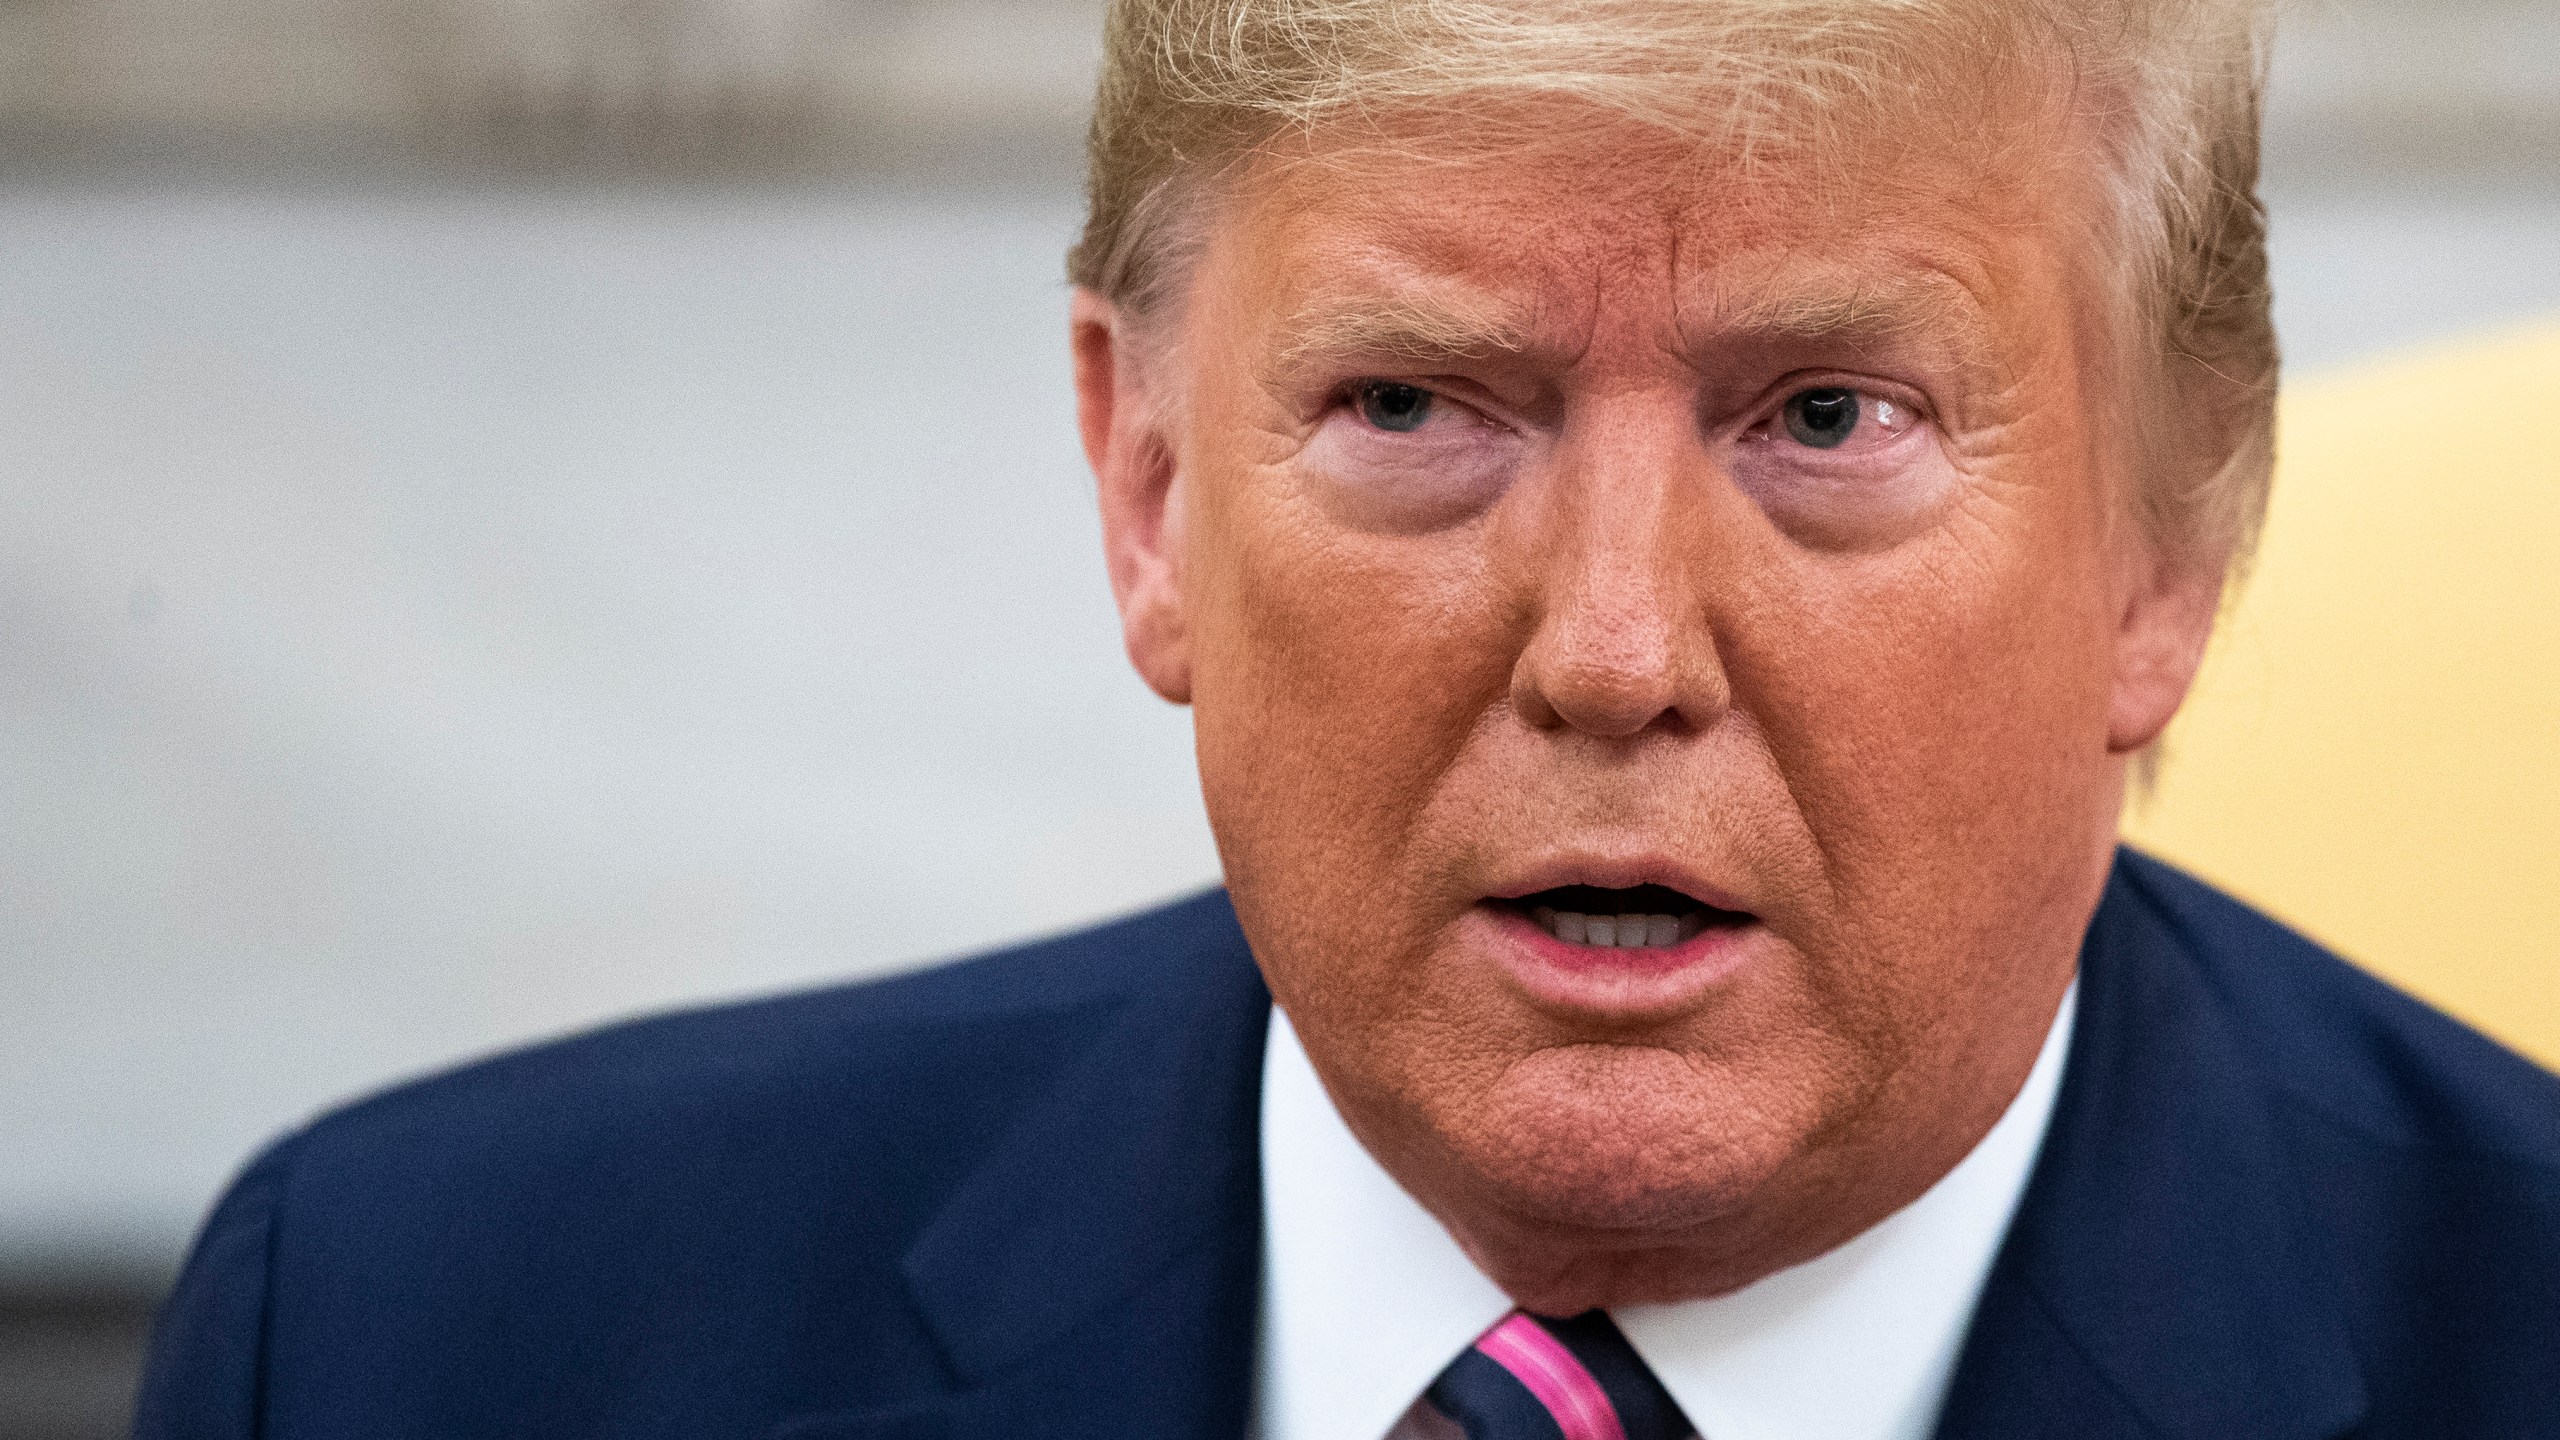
(1531,1378)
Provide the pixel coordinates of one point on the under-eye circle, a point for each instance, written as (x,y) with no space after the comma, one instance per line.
(1823,418)
(1389,406)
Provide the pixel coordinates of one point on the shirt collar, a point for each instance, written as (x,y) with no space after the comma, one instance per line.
(1365,1297)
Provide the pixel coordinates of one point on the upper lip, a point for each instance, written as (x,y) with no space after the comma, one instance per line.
(1613,872)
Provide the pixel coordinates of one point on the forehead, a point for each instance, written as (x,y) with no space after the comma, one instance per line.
(1416,242)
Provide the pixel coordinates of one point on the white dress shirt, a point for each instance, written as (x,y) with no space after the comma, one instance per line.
(1365,1298)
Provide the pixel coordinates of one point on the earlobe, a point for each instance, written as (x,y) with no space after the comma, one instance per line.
(2160,643)
(1134,471)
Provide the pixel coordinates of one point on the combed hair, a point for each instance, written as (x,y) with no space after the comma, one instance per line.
(2165,94)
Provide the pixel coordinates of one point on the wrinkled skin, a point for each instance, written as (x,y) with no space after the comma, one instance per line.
(1602,616)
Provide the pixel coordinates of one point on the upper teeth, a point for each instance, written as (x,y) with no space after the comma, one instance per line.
(1625,932)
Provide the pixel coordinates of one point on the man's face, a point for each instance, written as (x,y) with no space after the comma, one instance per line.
(1602,534)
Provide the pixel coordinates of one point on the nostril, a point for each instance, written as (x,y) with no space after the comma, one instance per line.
(1611,704)
(1616,677)
(1608,700)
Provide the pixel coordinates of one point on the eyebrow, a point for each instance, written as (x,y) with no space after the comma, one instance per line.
(1856,308)
(1448,324)
(1879,305)
(1418,327)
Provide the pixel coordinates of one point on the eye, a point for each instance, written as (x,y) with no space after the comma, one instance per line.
(1842,465)
(1823,418)
(1839,418)
(1392,407)
(1396,455)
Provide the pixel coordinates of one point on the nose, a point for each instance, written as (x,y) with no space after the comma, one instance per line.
(1622,643)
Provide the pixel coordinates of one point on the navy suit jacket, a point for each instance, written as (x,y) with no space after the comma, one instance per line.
(1019,1198)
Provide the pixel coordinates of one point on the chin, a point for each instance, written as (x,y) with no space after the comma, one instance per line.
(1624,1141)
(1605,1176)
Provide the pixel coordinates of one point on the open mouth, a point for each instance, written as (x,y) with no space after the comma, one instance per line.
(1642,917)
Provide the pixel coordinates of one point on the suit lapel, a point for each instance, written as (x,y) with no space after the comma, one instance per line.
(1098,1274)
(2163,1274)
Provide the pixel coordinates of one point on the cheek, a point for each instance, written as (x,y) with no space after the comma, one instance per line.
(1337,676)
(1940,714)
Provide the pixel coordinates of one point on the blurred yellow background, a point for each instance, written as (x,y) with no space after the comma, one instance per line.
(2370,753)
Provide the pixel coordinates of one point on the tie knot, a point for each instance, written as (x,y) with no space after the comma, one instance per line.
(1532,1378)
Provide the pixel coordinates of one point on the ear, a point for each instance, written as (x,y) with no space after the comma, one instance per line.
(1132,461)
(2161,630)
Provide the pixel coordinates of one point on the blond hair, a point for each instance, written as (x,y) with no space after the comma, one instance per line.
(2166,90)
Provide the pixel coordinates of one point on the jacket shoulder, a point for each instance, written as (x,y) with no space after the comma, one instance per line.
(2285,1142)
(537,1242)
(2428,1158)
(2335,1040)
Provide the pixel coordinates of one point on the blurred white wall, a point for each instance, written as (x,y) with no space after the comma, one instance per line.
(805,85)
(433,620)
(438,608)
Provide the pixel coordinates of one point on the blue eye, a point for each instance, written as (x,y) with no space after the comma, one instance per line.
(1399,408)
(1823,418)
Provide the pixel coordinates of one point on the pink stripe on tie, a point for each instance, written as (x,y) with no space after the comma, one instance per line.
(1540,1361)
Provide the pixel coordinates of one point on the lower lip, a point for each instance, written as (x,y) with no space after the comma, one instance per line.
(1635,983)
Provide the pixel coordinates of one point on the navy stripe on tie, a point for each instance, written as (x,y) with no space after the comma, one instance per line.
(1489,1403)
